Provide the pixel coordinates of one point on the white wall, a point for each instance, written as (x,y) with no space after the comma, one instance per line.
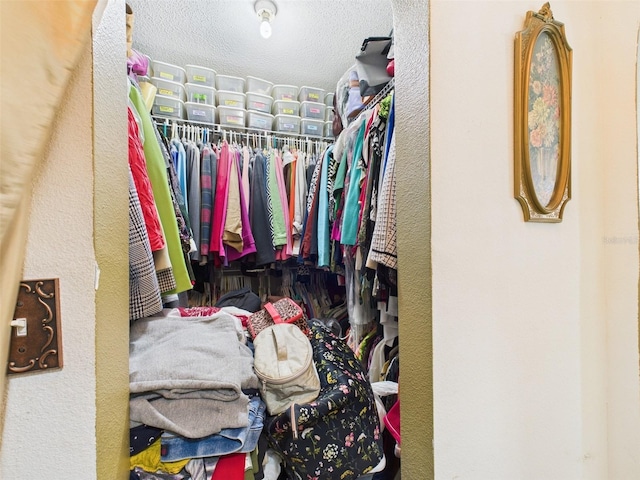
(523,370)
(50,418)
(618,154)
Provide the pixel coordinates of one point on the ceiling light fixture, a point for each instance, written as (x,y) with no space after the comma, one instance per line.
(266,11)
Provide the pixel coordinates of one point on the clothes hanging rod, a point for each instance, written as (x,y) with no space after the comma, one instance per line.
(381,95)
(220,129)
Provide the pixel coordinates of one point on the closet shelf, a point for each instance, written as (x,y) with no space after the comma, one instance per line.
(224,129)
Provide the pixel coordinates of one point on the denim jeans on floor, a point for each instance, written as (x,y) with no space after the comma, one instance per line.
(229,440)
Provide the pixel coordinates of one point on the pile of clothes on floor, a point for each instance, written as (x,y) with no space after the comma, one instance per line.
(197,413)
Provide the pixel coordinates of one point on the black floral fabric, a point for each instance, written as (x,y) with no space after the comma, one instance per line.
(338,434)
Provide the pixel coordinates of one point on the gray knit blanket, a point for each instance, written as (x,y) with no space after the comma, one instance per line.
(186,374)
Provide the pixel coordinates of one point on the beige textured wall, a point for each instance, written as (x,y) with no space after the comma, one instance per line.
(58,408)
(411,32)
(111,209)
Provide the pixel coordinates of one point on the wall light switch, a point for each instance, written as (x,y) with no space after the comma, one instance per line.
(36,338)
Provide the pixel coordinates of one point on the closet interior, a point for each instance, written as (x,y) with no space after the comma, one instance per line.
(251,187)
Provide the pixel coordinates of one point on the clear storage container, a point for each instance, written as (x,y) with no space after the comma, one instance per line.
(200,93)
(286,107)
(311,94)
(200,112)
(328,129)
(258,102)
(313,110)
(167,71)
(169,88)
(328,99)
(230,84)
(286,123)
(231,99)
(259,85)
(231,116)
(284,92)
(309,126)
(328,114)
(200,75)
(259,120)
(168,107)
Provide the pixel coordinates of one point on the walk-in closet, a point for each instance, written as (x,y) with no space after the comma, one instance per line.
(262,193)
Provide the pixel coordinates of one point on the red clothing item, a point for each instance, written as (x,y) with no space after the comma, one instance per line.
(230,467)
(138,165)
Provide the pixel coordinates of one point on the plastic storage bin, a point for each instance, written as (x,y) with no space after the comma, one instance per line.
(259,103)
(231,116)
(231,99)
(328,114)
(200,112)
(286,123)
(200,75)
(313,110)
(284,92)
(259,85)
(169,88)
(309,126)
(168,107)
(311,94)
(200,94)
(167,71)
(286,107)
(328,99)
(328,129)
(230,84)
(259,120)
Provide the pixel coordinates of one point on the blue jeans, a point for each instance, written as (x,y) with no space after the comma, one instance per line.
(228,440)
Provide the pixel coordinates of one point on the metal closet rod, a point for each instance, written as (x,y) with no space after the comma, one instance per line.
(381,95)
(219,129)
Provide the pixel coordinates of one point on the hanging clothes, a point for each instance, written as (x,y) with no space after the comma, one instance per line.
(193,194)
(232,232)
(158,175)
(323,212)
(384,243)
(144,291)
(351,208)
(208,169)
(248,242)
(220,202)
(259,213)
(137,165)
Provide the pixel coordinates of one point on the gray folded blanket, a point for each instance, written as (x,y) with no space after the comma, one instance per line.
(186,374)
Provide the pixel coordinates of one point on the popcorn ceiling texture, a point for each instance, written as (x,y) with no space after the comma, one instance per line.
(313,42)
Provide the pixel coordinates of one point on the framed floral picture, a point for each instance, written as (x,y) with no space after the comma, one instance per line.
(542,123)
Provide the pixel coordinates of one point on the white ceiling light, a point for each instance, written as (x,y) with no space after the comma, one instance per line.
(266,11)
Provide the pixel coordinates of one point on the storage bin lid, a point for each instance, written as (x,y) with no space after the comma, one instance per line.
(201,68)
(261,95)
(165,64)
(229,92)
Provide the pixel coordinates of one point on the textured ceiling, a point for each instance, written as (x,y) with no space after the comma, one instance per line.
(313,42)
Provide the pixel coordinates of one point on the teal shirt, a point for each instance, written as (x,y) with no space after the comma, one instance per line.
(351,213)
(323,213)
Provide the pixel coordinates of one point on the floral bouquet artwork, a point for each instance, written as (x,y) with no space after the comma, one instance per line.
(544,118)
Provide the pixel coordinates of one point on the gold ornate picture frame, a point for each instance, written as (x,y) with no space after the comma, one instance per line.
(542,117)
